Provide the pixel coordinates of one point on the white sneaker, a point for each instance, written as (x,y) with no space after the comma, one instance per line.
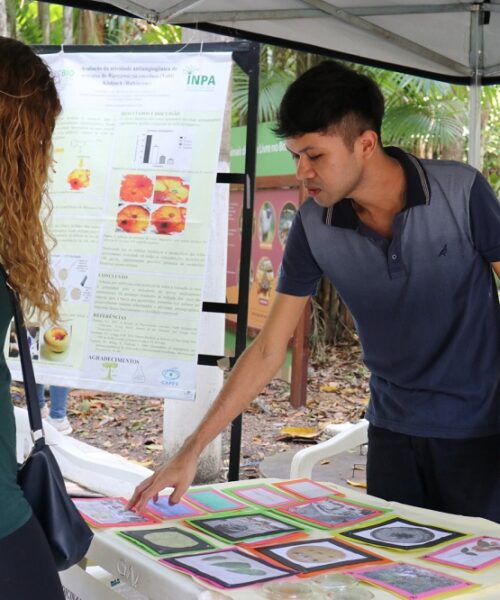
(62,425)
(44,411)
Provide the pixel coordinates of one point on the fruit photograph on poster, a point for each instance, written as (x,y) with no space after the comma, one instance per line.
(152,204)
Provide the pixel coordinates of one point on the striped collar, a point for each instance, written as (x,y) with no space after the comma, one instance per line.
(418,191)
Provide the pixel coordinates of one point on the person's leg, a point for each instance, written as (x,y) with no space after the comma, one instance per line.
(58,401)
(40,392)
(392,471)
(27,569)
(463,476)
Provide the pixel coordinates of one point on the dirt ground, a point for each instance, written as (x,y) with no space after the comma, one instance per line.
(131,426)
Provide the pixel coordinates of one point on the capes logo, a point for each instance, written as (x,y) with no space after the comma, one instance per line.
(170,377)
(199,80)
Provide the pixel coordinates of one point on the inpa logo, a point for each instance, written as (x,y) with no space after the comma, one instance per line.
(196,79)
(170,377)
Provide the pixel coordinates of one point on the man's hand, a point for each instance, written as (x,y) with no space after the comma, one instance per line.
(177,473)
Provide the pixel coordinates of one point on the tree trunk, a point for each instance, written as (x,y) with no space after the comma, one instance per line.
(4,31)
(68,37)
(8,18)
(89,30)
(44,20)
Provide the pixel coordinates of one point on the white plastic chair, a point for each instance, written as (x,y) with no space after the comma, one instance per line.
(96,469)
(304,461)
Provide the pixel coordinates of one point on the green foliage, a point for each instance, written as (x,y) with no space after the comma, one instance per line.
(28,27)
(277,71)
(100,28)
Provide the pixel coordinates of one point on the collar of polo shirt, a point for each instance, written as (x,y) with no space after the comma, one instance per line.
(418,191)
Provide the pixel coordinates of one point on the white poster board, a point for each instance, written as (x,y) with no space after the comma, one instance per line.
(136,152)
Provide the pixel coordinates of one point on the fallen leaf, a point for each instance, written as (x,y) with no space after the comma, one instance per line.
(328,387)
(152,447)
(299,433)
(360,484)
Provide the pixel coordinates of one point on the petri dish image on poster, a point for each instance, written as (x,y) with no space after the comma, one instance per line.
(286,217)
(264,278)
(267,225)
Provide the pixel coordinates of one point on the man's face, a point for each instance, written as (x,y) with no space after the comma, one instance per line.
(328,169)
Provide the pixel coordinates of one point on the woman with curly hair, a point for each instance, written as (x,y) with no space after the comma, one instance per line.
(29,106)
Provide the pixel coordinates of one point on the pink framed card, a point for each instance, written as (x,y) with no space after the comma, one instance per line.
(166,511)
(412,582)
(261,494)
(330,512)
(306,488)
(473,554)
(111,512)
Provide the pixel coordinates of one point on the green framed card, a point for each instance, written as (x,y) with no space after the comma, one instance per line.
(244,526)
(166,541)
(210,500)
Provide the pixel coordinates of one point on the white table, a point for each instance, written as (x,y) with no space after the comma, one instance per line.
(156,582)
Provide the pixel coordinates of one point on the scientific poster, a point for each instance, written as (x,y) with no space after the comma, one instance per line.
(135,152)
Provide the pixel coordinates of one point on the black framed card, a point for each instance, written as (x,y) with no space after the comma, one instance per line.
(240,527)
(401,534)
(229,568)
(319,555)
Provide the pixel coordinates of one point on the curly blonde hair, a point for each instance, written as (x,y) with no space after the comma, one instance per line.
(29,106)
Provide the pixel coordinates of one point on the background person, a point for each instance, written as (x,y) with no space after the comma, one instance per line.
(410,245)
(29,106)
(57,416)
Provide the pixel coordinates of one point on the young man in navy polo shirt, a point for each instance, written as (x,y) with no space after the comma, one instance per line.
(411,246)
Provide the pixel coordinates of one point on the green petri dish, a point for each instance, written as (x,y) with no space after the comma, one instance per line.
(288,590)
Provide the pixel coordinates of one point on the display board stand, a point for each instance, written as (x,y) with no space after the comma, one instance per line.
(246,55)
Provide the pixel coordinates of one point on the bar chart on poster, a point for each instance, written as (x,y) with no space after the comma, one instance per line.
(172,147)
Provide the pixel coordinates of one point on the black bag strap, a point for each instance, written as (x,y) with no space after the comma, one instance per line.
(35,416)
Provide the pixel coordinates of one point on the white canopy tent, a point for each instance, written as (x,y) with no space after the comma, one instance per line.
(456,41)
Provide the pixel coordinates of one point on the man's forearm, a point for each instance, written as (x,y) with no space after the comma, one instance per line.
(250,375)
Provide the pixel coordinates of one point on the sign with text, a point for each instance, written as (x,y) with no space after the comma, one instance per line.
(136,151)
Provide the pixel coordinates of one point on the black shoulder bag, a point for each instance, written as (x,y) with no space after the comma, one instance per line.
(41,479)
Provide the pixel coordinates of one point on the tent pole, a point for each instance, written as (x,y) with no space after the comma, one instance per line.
(475,124)
(476,64)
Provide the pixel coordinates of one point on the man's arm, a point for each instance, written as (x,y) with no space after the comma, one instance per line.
(254,369)
(496,268)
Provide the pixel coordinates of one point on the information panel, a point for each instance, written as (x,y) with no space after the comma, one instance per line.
(136,152)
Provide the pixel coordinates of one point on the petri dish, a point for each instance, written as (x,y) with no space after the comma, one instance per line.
(288,590)
(335,581)
(353,593)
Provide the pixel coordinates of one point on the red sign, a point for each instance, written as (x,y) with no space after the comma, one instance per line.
(274,212)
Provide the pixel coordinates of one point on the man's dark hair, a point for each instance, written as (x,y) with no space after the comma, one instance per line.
(331,96)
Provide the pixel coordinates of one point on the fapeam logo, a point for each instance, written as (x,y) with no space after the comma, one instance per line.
(170,377)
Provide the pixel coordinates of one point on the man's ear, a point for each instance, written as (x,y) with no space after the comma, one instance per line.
(367,143)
